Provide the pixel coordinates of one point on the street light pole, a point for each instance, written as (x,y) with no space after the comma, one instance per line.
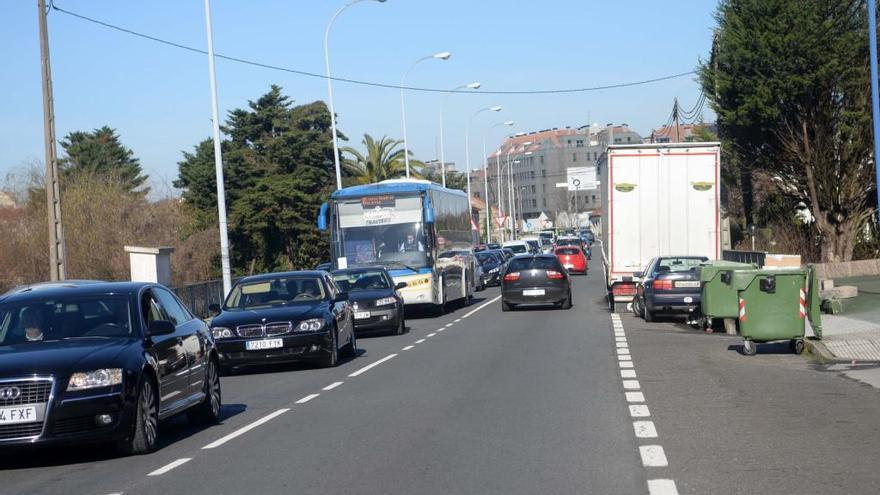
(438,56)
(218,160)
(499,195)
(467,149)
(330,86)
(486,179)
(473,85)
(875,97)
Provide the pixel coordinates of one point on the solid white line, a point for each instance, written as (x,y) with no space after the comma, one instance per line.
(332,386)
(407,348)
(627,373)
(653,456)
(245,429)
(662,487)
(449,325)
(307,398)
(631,384)
(430,335)
(420,341)
(645,429)
(625,364)
(168,467)
(481,306)
(639,411)
(371,366)
(635,397)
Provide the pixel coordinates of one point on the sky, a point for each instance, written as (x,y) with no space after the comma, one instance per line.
(157,97)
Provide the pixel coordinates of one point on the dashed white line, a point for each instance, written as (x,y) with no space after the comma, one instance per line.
(645,429)
(449,325)
(620,339)
(625,364)
(653,456)
(168,467)
(430,335)
(662,487)
(407,348)
(420,341)
(635,397)
(245,429)
(621,344)
(458,320)
(307,398)
(627,373)
(371,366)
(623,350)
(440,330)
(332,386)
(481,306)
(624,357)
(631,384)
(639,411)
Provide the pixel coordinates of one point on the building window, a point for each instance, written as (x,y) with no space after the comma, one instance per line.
(534,203)
(542,159)
(544,189)
(574,157)
(543,171)
(532,174)
(580,143)
(594,156)
(544,201)
(533,189)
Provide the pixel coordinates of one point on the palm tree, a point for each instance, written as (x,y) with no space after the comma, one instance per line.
(383,160)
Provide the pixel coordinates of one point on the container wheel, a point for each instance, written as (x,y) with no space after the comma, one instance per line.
(797,346)
(749,348)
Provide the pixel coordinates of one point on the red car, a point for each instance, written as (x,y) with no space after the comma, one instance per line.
(572,258)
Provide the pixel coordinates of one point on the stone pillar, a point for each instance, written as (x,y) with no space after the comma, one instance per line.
(150,264)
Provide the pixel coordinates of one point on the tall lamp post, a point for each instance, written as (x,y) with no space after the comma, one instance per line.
(467,148)
(436,56)
(875,97)
(330,86)
(486,179)
(473,85)
(510,185)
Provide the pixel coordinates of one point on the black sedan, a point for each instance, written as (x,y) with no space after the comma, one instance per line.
(535,279)
(493,263)
(670,284)
(283,317)
(374,298)
(86,362)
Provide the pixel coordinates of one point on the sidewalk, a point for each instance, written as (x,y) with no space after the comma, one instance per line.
(848,339)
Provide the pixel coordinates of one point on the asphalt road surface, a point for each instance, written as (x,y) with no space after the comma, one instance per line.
(528,402)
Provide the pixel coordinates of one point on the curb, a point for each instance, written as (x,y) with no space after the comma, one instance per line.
(817,348)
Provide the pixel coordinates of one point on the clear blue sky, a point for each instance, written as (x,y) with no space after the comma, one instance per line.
(157,97)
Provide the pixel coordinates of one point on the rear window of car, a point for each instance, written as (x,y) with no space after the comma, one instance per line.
(537,263)
(517,248)
(568,250)
(678,264)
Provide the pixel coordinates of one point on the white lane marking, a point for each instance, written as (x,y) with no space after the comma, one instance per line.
(662,487)
(307,398)
(620,339)
(430,335)
(653,456)
(620,333)
(626,364)
(168,467)
(627,373)
(407,348)
(623,350)
(440,330)
(645,429)
(245,429)
(635,397)
(624,357)
(371,366)
(449,325)
(639,411)
(621,344)
(458,320)
(332,386)
(631,384)
(420,341)
(481,306)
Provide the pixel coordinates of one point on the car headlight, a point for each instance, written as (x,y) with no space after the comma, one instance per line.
(385,301)
(312,325)
(94,379)
(222,332)
(494,270)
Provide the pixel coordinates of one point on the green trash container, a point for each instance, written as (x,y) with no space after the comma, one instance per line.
(719,298)
(774,306)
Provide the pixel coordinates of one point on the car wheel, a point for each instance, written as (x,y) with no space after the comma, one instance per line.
(351,349)
(145,434)
(401,326)
(567,303)
(506,306)
(647,314)
(332,359)
(637,307)
(208,411)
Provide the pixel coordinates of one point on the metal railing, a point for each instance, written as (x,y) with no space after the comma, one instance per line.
(756,257)
(199,296)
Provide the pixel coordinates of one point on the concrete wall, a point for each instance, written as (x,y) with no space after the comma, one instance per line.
(845,269)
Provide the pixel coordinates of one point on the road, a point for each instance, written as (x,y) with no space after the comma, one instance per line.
(481,401)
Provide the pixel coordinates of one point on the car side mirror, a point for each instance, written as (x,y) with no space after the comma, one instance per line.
(401,285)
(214,308)
(160,327)
(341,296)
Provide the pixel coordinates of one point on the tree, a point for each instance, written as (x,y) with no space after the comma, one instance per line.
(278,164)
(789,81)
(383,160)
(454,180)
(101,153)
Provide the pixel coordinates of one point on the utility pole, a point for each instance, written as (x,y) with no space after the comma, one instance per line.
(875,98)
(57,261)
(675,116)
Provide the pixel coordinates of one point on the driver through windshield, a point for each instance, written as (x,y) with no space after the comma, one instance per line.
(275,292)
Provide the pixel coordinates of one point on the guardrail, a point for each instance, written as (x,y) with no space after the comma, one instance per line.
(198,297)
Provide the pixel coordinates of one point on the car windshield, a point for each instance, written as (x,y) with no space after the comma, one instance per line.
(678,264)
(42,319)
(275,292)
(486,258)
(535,263)
(568,250)
(361,280)
(517,248)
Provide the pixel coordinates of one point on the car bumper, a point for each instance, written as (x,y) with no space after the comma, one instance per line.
(294,348)
(380,319)
(551,295)
(674,303)
(492,278)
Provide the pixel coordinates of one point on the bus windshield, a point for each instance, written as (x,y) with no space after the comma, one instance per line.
(397,245)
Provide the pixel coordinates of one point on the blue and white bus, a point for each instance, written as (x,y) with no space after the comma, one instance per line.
(418,230)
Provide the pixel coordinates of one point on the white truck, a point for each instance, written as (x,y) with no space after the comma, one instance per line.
(658,199)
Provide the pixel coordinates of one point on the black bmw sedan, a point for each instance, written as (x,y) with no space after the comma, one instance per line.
(535,279)
(85,362)
(376,303)
(283,317)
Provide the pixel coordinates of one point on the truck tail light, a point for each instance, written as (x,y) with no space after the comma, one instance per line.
(511,277)
(554,275)
(623,289)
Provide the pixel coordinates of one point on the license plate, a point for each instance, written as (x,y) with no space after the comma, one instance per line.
(533,292)
(687,283)
(15,415)
(569,266)
(361,315)
(259,345)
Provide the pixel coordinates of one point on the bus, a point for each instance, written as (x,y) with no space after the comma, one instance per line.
(419,231)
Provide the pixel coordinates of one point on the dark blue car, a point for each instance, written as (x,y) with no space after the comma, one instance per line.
(669,285)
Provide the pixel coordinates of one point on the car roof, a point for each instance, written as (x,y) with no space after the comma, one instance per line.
(71,287)
(363,269)
(273,275)
(513,243)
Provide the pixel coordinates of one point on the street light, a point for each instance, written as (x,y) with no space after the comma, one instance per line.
(511,196)
(437,56)
(330,86)
(473,85)
(467,148)
(486,179)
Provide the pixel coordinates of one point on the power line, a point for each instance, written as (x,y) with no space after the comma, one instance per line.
(356,81)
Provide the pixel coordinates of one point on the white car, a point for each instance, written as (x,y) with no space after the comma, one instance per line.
(518,247)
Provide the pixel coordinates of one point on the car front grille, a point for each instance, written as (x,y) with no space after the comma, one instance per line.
(368,321)
(30,392)
(8,432)
(279,328)
(247,331)
(273,329)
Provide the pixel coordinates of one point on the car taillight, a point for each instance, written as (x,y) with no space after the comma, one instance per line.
(662,285)
(511,277)
(554,275)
